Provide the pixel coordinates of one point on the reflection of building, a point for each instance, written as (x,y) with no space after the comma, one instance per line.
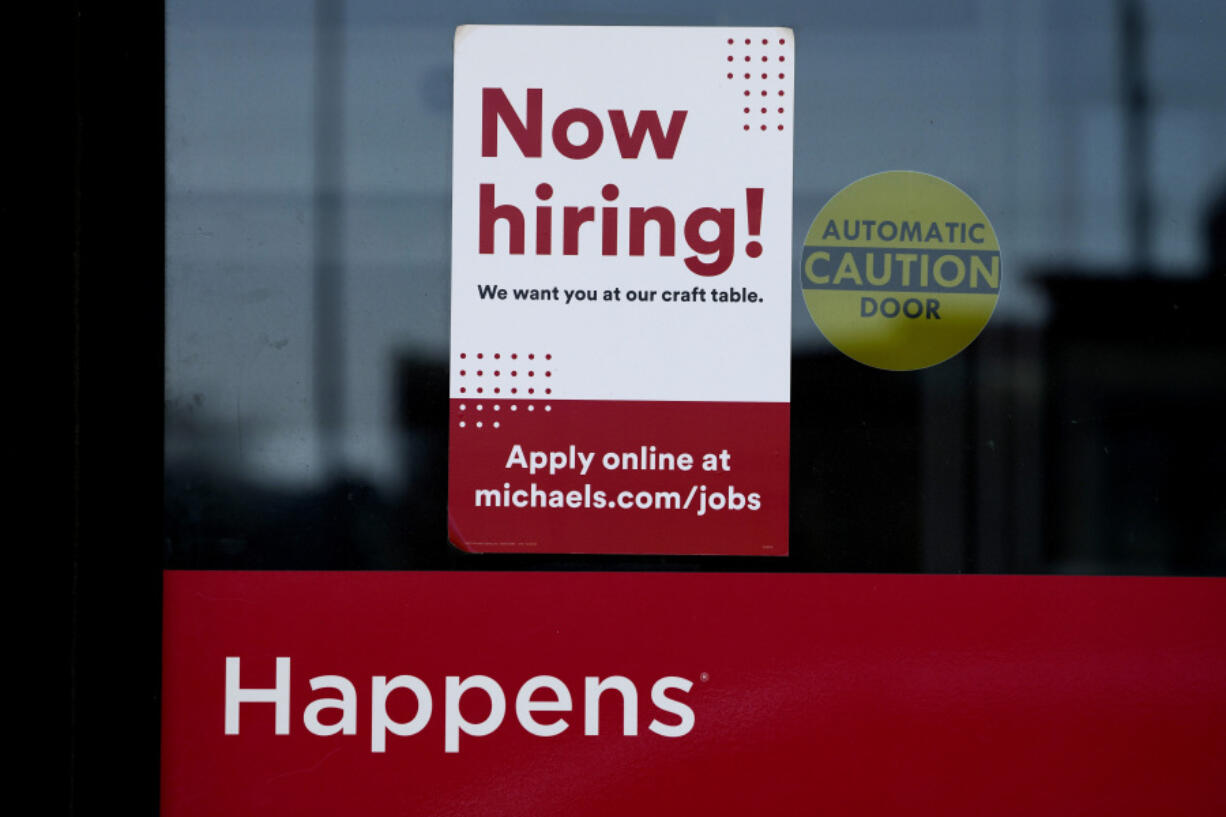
(1135,451)
(1094,445)
(936,470)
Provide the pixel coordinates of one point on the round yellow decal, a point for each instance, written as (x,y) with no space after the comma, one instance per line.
(901,270)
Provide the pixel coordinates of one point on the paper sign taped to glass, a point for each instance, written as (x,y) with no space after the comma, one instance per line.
(621,303)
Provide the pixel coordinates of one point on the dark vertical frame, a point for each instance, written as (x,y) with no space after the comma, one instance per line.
(118,231)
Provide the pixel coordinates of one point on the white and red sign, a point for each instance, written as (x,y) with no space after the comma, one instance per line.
(621,303)
(299,693)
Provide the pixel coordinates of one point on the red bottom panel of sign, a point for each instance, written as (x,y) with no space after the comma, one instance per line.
(711,694)
(612,476)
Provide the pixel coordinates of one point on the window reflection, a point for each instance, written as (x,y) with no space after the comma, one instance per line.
(308,212)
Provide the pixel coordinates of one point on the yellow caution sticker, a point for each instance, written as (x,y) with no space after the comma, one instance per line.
(901,270)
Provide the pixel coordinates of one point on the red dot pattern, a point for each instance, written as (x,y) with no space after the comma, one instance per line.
(489,388)
(758,50)
(498,356)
